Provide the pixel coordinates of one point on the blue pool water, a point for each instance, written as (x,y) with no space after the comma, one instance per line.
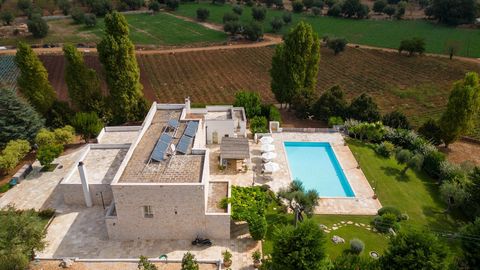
(315,164)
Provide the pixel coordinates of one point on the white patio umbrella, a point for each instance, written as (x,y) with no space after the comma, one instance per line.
(270,167)
(269,156)
(266,140)
(268,148)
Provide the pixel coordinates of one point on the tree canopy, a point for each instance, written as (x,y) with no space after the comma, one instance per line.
(454,11)
(250,101)
(363,108)
(331,103)
(33,80)
(295,63)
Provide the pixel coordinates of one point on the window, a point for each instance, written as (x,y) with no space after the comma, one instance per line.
(147,211)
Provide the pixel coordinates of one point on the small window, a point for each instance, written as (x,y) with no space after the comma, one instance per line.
(147,211)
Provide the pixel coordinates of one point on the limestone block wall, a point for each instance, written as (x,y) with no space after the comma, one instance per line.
(73,194)
(222,127)
(217,226)
(178,212)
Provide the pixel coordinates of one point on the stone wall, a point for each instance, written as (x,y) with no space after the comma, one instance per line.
(73,194)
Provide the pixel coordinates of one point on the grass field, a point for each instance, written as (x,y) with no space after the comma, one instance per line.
(160,29)
(379,33)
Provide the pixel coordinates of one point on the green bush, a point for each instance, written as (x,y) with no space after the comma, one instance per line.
(61,136)
(274,114)
(46,213)
(202,14)
(145,264)
(412,46)
(13,153)
(87,124)
(385,149)
(390,210)
(154,6)
(316,11)
(432,163)
(287,17)
(253,31)
(172,4)
(247,201)
(335,10)
(250,101)
(232,27)
(396,119)
(335,121)
(90,20)
(259,124)
(237,10)
(276,24)
(385,222)
(297,6)
(46,154)
(189,262)
(356,246)
(364,108)
(38,27)
(229,16)
(259,13)
(431,131)
(13,261)
(337,45)
(257,226)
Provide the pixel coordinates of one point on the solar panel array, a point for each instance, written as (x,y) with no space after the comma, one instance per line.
(182,145)
(161,147)
(173,123)
(191,129)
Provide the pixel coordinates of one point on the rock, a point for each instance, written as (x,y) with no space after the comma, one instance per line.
(343,222)
(391,231)
(326,231)
(334,228)
(349,222)
(361,224)
(369,229)
(356,224)
(323,227)
(66,263)
(338,240)
(374,230)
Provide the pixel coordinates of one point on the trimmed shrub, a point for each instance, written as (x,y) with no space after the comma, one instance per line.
(13,153)
(202,14)
(257,226)
(287,17)
(396,119)
(379,6)
(46,154)
(364,108)
(385,222)
(172,4)
(316,11)
(259,13)
(431,131)
(335,120)
(90,20)
(232,27)
(276,24)
(87,124)
(259,124)
(189,262)
(237,10)
(297,6)
(432,163)
(335,11)
(154,6)
(390,210)
(229,16)
(412,46)
(390,10)
(385,149)
(330,3)
(253,31)
(38,27)
(356,246)
(77,15)
(337,45)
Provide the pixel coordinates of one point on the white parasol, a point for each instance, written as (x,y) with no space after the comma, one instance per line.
(270,167)
(268,148)
(269,156)
(266,140)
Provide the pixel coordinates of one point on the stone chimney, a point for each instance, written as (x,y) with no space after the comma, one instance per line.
(86,188)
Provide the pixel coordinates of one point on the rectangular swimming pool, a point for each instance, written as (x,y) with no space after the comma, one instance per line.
(317,167)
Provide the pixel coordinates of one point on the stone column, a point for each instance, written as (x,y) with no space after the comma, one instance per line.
(86,188)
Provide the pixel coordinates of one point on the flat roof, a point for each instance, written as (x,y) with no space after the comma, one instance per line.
(234,148)
(118,137)
(218,115)
(174,169)
(100,164)
(216,192)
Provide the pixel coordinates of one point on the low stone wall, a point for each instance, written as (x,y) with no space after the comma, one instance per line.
(73,194)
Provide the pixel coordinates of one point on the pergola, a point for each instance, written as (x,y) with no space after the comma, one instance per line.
(234,149)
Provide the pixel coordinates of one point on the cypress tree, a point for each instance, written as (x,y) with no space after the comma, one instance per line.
(82,82)
(295,63)
(33,80)
(462,108)
(18,120)
(117,54)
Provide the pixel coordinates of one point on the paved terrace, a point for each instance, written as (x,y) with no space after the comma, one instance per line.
(177,169)
(216,192)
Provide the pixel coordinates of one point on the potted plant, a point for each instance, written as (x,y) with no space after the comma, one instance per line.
(227,258)
(256,256)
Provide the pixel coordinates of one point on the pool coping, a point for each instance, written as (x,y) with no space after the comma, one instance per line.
(338,161)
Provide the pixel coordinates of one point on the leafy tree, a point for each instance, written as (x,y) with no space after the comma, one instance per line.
(232,27)
(287,17)
(299,200)
(59,114)
(257,226)
(295,63)
(172,4)
(87,124)
(335,10)
(38,27)
(90,20)
(396,119)
(471,248)
(462,108)
(300,248)
(331,3)
(401,7)
(230,16)
(65,6)
(390,10)
(379,6)
(414,250)
(134,4)
(250,101)
(237,9)
(78,16)
(7,17)
(385,149)
(21,234)
(277,24)
(432,162)
(189,262)
(13,153)
(431,131)
(24,5)
(259,13)
(337,44)
(297,6)
(33,80)
(353,8)
(202,14)
(101,7)
(454,12)
(363,108)
(302,102)
(455,193)
(386,222)
(253,31)
(410,160)
(259,124)
(116,52)
(412,46)
(307,3)
(154,6)
(83,83)
(18,120)
(145,264)
(316,11)
(46,154)
(331,103)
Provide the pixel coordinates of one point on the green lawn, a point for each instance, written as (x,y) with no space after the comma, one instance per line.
(414,194)
(159,29)
(380,33)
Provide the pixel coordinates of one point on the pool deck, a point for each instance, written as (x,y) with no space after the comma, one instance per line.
(361,204)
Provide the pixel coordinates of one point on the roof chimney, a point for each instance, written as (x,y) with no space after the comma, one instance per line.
(187,105)
(86,188)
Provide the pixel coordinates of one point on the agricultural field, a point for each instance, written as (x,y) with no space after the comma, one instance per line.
(418,86)
(379,33)
(161,29)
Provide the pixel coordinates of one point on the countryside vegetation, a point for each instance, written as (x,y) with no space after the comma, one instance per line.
(400,110)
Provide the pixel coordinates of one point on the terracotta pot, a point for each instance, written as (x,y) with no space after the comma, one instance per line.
(227,263)
(256,264)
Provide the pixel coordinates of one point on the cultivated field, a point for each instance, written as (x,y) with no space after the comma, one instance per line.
(160,29)
(418,86)
(379,33)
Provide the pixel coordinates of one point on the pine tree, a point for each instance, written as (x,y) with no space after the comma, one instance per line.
(33,80)
(295,63)
(18,120)
(83,83)
(462,108)
(117,54)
